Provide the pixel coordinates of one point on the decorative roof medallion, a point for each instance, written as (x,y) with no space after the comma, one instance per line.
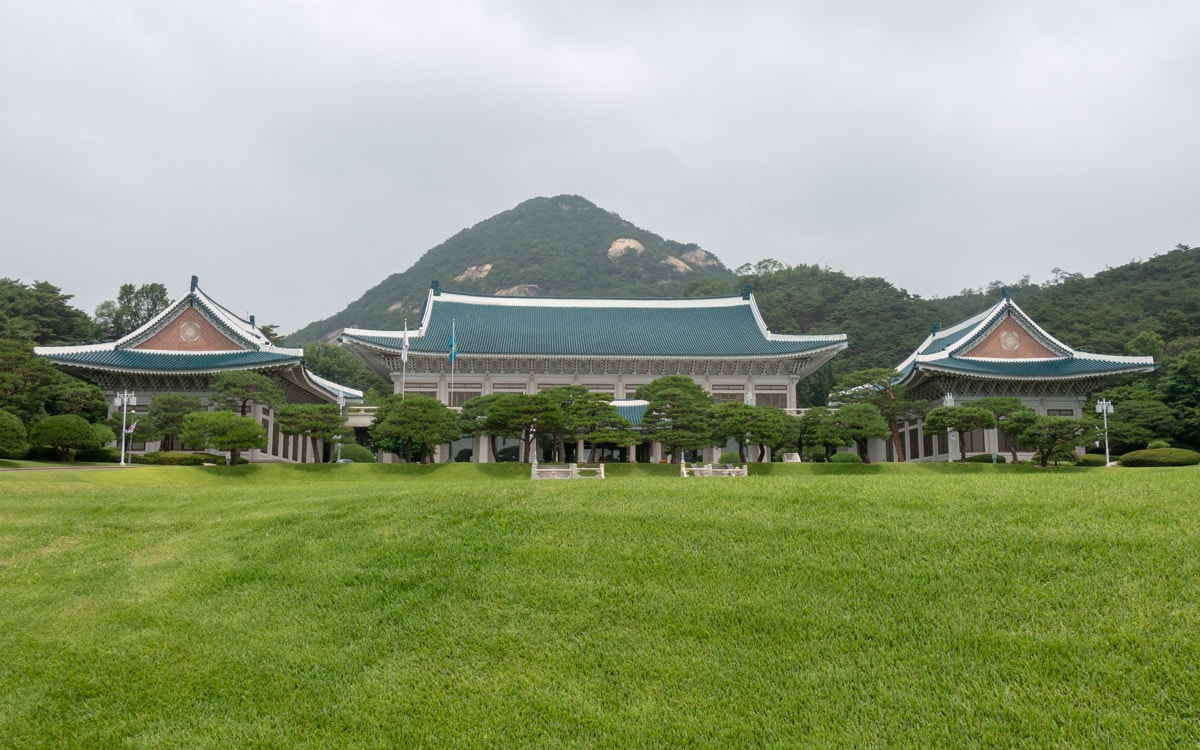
(189,331)
(1010,341)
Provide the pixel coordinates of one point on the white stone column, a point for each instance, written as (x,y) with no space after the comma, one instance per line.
(580,457)
(481,449)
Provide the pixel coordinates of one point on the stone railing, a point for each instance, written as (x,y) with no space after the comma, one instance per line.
(708,470)
(569,471)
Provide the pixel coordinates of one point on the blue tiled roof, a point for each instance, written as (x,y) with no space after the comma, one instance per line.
(1074,367)
(134,360)
(685,328)
(632,413)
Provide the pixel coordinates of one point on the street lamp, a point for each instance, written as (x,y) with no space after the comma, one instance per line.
(341,406)
(124,400)
(950,434)
(1105,407)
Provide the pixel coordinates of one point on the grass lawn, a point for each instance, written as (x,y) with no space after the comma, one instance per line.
(465,606)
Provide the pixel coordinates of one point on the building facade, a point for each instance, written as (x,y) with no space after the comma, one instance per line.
(1000,351)
(471,345)
(182,350)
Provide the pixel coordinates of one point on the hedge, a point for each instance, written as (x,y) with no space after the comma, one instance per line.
(845,458)
(986,458)
(1161,457)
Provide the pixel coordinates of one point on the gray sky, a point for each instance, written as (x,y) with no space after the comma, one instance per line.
(292,154)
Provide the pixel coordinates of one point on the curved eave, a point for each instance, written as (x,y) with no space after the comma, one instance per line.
(942,368)
(180,366)
(817,345)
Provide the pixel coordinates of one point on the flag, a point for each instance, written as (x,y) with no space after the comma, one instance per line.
(453,343)
(129,430)
(404,344)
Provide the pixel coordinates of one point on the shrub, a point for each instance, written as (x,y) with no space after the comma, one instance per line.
(986,458)
(99,455)
(12,436)
(730,457)
(846,457)
(359,454)
(1161,457)
(65,433)
(1156,444)
(1090,459)
(172,458)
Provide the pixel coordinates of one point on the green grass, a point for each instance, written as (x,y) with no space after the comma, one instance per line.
(464,606)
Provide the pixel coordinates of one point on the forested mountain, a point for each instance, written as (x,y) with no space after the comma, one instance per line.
(564,246)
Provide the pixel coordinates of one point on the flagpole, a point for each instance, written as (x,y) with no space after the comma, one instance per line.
(453,356)
(404,361)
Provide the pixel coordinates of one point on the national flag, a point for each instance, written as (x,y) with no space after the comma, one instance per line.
(404,344)
(129,430)
(453,343)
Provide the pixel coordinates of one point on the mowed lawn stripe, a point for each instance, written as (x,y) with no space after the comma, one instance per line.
(367,608)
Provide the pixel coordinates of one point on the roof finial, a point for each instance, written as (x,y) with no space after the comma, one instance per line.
(746,292)
(436,286)
(195,283)
(252,322)
(932,328)
(1004,290)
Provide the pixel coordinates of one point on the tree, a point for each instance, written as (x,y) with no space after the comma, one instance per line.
(40,313)
(733,420)
(12,436)
(472,420)
(341,366)
(235,390)
(819,429)
(133,308)
(591,417)
(961,419)
(523,416)
(1049,436)
(416,421)
(860,422)
(1012,417)
(65,433)
(878,387)
(1136,422)
(678,414)
(27,382)
(322,422)
(224,431)
(1181,390)
(167,412)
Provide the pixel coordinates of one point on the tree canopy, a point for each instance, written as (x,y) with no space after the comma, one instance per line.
(133,308)
(413,424)
(224,431)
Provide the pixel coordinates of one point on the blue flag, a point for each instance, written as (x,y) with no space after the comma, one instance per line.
(453,343)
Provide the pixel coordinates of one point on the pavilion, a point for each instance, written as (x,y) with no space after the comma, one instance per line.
(183,348)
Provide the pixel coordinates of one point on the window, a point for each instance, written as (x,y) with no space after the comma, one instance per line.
(720,398)
(928,446)
(914,444)
(458,398)
(1060,412)
(770,399)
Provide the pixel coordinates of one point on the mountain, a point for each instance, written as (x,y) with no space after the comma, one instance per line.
(564,246)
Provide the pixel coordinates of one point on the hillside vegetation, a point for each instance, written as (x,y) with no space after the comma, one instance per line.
(563,246)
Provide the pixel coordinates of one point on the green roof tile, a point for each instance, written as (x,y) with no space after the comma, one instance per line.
(130,359)
(627,330)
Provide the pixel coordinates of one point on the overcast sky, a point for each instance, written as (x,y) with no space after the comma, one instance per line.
(293,154)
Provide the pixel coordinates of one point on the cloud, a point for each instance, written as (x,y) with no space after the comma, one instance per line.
(293,154)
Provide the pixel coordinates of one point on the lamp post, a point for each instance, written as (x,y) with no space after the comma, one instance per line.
(124,400)
(1105,407)
(341,407)
(950,434)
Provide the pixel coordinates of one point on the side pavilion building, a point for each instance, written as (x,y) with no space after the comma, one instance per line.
(1000,352)
(183,349)
(612,346)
